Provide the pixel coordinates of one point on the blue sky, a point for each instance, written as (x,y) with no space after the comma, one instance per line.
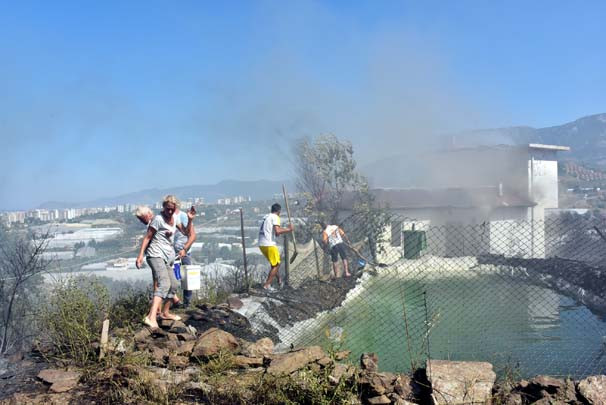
(104,98)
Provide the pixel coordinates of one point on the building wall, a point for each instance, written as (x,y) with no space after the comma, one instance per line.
(462,232)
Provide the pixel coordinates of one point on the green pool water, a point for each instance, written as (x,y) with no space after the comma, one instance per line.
(513,325)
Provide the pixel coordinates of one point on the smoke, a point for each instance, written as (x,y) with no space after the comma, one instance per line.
(390,90)
(296,69)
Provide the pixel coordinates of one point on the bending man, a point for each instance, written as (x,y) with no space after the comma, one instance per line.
(332,236)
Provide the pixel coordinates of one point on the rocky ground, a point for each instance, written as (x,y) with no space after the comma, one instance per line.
(212,357)
(308,300)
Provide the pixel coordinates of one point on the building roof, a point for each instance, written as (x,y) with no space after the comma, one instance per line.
(548,147)
(508,147)
(480,197)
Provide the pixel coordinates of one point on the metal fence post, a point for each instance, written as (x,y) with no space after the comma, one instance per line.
(247,281)
(317,260)
(286,260)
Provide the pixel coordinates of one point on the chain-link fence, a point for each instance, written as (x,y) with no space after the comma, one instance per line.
(523,295)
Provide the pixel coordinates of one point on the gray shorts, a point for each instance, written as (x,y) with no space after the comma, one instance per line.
(164,275)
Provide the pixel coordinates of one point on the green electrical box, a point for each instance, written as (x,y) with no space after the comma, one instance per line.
(414,243)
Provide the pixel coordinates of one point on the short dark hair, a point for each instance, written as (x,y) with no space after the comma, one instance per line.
(322,224)
(276,208)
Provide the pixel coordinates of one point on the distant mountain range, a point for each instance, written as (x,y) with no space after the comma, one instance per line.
(585,136)
(257,190)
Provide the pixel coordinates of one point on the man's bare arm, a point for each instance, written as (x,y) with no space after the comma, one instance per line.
(279,230)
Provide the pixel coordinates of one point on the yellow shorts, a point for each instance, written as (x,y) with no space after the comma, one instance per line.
(272,254)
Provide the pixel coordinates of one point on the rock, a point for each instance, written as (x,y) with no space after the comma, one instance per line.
(513,398)
(569,393)
(325,361)
(159,355)
(246,362)
(185,348)
(262,347)
(220,313)
(142,336)
(401,386)
(397,400)
(383,399)
(178,361)
(593,389)
(165,323)
(549,384)
(158,333)
(288,362)
(549,388)
(178,327)
(341,372)
(342,355)
(199,316)
(234,302)
(460,381)
(60,380)
(547,401)
(63,386)
(369,362)
(376,384)
(186,337)
(214,341)
(197,389)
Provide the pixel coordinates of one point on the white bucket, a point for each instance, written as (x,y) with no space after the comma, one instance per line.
(190,277)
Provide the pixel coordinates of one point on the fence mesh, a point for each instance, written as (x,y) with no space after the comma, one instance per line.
(523,295)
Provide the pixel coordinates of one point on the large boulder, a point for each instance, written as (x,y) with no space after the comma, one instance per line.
(287,363)
(593,389)
(460,381)
(214,341)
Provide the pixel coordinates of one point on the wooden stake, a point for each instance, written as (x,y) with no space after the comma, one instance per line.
(104,339)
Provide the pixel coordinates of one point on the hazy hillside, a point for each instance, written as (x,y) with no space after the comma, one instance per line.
(257,190)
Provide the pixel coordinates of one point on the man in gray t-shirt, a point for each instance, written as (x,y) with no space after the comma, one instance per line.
(180,241)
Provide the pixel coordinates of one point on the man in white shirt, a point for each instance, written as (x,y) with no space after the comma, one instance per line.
(270,228)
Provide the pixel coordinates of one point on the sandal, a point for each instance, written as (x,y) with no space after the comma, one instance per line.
(174,318)
(147,322)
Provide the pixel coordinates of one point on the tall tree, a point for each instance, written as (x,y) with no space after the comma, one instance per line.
(325,169)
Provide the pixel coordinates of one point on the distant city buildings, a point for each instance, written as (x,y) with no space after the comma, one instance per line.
(233,200)
(66,214)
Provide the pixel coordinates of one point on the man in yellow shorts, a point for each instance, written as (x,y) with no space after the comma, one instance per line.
(270,228)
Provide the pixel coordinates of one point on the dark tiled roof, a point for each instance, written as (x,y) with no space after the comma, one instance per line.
(442,198)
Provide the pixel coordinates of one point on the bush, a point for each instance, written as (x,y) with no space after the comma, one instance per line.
(72,319)
(128,310)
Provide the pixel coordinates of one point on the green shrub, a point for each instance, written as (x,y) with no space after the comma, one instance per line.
(73,317)
(305,387)
(128,310)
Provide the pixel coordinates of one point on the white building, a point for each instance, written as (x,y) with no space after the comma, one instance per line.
(505,188)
